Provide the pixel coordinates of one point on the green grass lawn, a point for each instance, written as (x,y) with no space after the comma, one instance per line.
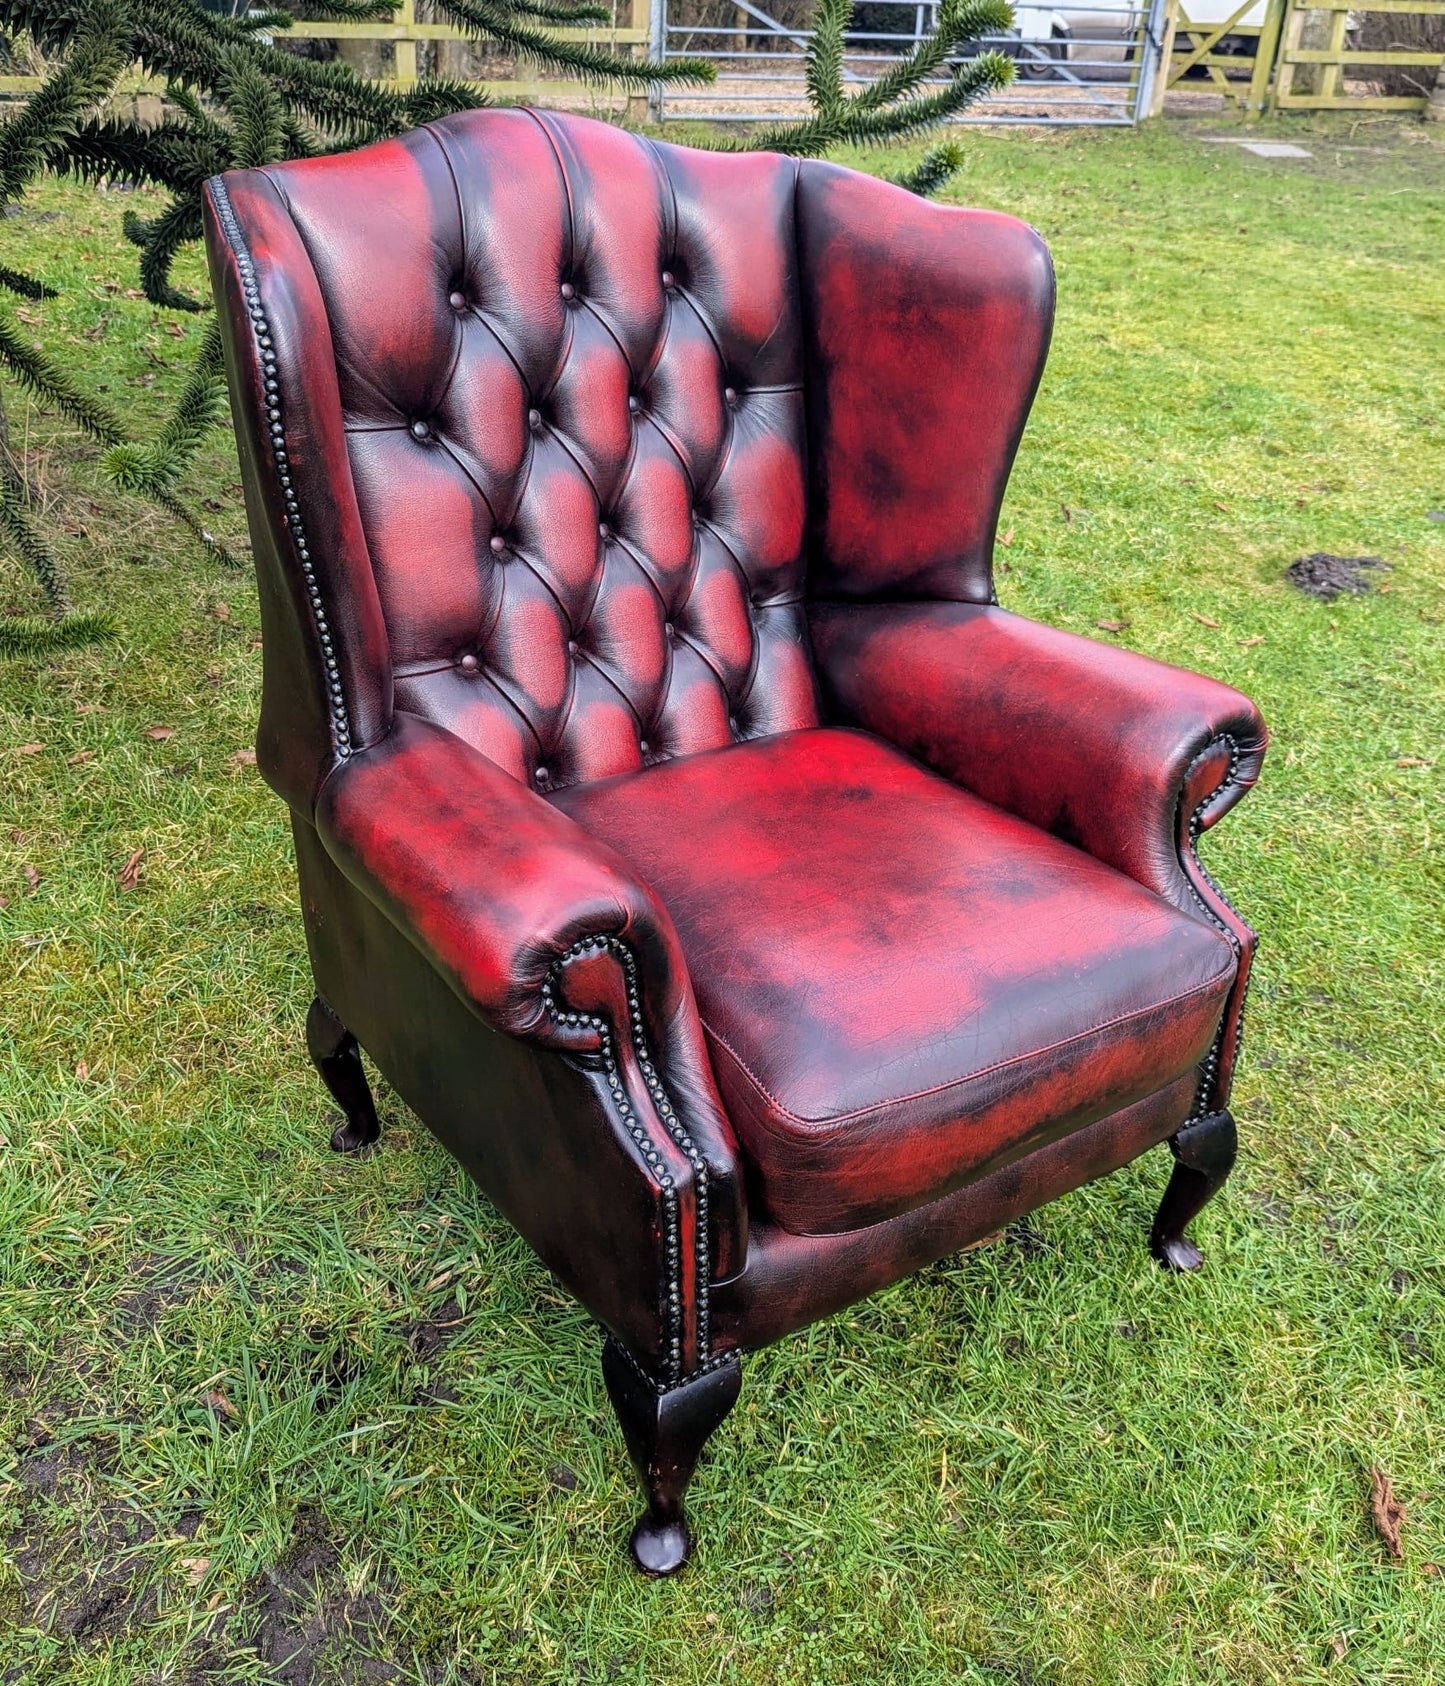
(258,1400)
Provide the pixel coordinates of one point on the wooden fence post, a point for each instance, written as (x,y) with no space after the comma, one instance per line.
(1294,21)
(404,64)
(1435,106)
(1166,58)
(1265,53)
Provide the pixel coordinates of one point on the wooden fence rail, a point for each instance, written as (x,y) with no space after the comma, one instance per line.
(405,34)
(1337,58)
(1267,79)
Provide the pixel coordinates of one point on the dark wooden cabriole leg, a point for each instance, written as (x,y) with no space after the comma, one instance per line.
(1203,1157)
(336,1056)
(665,1434)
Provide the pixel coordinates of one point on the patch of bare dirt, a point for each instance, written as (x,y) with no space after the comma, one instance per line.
(309,1627)
(1328,577)
(81,1579)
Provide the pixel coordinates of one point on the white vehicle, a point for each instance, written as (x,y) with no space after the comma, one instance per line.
(1105,34)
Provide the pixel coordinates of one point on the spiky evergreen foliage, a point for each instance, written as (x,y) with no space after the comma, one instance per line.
(30,635)
(937,166)
(235,97)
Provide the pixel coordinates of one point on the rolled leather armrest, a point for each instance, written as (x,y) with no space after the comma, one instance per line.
(507,897)
(1128,758)
(1124,756)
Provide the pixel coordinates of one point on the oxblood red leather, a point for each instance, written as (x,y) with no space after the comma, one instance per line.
(926,331)
(754,909)
(1126,757)
(497,907)
(573,422)
(902,986)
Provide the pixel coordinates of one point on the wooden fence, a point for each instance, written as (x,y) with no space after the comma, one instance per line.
(1190,46)
(1336,58)
(405,34)
(1268,79)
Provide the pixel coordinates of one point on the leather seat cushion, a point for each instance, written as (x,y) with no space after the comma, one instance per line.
(903,987)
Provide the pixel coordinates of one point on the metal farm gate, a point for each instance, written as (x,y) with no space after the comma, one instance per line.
(1084,62)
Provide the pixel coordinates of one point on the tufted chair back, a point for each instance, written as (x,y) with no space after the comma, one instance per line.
(568,366)
(535,394)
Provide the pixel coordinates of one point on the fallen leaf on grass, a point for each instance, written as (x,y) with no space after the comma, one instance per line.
(222,611)
(4,903)
(983,1241)
(1411,761)
(244,758)
(32,878)
(1386,1511)
(30,749)
(1204,620)
(218,1402)
(1249,643)
(82,1071)
(159,733)
(1068,513)
(195,1568)
(1008,537)
(1223,506)
(129,875)
(1338,1646)
(1112,626)
(80,757)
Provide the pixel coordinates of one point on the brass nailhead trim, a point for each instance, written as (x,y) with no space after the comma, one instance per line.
(276,431)
(1201,1108)
(672,1227)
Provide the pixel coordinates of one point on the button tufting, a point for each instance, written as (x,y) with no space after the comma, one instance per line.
(664,496)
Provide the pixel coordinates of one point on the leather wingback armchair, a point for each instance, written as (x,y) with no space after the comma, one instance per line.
(756,909)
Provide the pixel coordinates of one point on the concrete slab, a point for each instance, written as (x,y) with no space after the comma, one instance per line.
(1265,149)
(1276,149)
